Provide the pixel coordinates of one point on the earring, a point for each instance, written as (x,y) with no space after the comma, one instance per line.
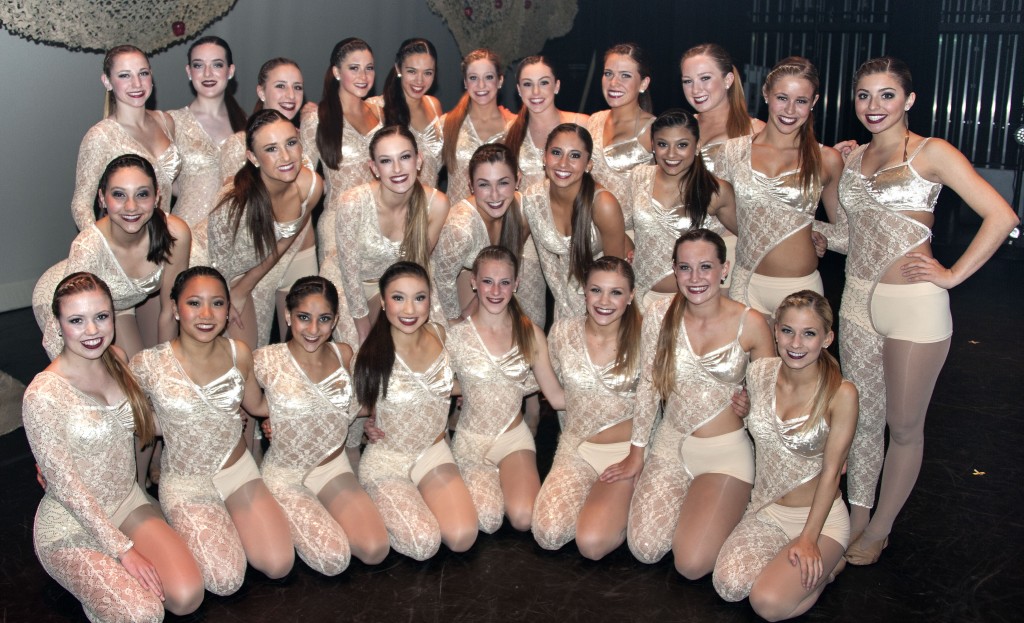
(398,74)
(263,99)
(724,277)
(641,91)
(473,288)
(60,333)
(256,164)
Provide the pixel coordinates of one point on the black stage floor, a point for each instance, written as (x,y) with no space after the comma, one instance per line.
(956,553)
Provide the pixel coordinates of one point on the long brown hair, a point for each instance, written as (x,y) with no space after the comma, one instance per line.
(581,253)
(110,102)
(236,116)
(396,109)
(697,186)
(330,113)
(516,133)
(810,153)
(142,413)
(627,357)
(829,375)
(415,245)
(161,242)
(522,326)
(513,223)
(636,53)
(665,354)
(738,123)
(886,65)
(457,116)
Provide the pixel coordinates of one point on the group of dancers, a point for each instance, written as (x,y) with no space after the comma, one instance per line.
(680,250)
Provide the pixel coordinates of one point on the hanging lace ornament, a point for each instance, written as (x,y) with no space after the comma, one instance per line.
(512,28)
(98,25)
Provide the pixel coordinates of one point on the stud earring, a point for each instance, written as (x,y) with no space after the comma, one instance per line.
(263,99)
(473,288)
(60,333)
(641,91)
(398,74)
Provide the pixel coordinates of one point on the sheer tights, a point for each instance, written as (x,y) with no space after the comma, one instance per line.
(262,529)
(158,542)
(354,511)
(448,499)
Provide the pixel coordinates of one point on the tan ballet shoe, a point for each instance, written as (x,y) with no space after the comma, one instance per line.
(860,555)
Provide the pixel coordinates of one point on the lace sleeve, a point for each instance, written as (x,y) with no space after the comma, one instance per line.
(92,160)
(307,136)
(838,233)
(46,409)
(347,229)
(645,407)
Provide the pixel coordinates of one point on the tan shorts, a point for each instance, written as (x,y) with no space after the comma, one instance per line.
(322,474)
(791,519)
(916,312)
(303,265)
(433,457)
(136,498)
(125,312)
(601,456)
(653,297)
(512,440)
(731,454)
(730,256)
(371,289)
(765,293)
(231,479)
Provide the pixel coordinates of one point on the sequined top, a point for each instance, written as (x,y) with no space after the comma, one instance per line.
(289,229)
(531,161)
(415,410)
(595,399)
(768,209)
(711,154)
(466,145)
(879,231)
(784,459)
(201,424)
(613,162)
(493,386)
(232,154)
(91,252)
(202,174)
(310,420)
(429,141)
(553,249)
(102,143)
(462,237)
(86,453)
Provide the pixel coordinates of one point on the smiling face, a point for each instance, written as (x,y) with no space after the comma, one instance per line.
(417,72)
(495,283)
(276,151)
(494,188)
(209,70)
(607,296)
(790,99)
(800,337)
(566,159)
(881,103)
(356,73)
(698,271)
(283,90)
(395,162)
(621,81)
(87,323)
(130,79)
(674,149)
(202,308)
(482,82)
(129,199)
(537,87)
(406,303)
(704,84)
(312,322)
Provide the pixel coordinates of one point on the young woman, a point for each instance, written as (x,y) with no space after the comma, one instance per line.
(127,127)
(779,176)
(499,357)
(695,349)
(135,248)
(406,102)
(537,86)
(677,195)
(572,218)
(404,379)
(894,321)
(309,392)
(96,532)
(260,237)
(392,217)
(210,487)
(204,127)
(476,119)
(601,450)
(621,137)
(802,418)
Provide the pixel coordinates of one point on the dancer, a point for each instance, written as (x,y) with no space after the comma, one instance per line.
(601,450)
(127,127)
(699,474)
(499,357)
(476,119)
(790,542)
(537,86)
(778,176)
(309,392)
(210,487)
(96,532)
(404,379)
(203,128)
(573,220)
(894,322)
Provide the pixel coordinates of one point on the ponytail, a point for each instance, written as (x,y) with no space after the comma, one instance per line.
(810,152)
(522,326)
(396,109)
(627,357)
(457,116)
(330,112)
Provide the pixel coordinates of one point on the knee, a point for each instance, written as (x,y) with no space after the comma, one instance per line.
(906,435)
(691,566)
(373,552)
(729,585)
(595,546)
(521,517)
(461,537)
(278,566)
(183,598)
(768,605)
